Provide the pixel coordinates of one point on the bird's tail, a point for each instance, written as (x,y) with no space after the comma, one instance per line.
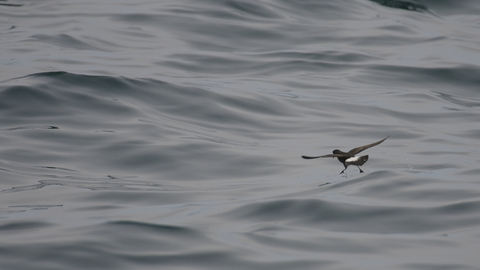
(361,160)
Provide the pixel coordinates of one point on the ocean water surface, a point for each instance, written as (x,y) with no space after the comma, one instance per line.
(169,134)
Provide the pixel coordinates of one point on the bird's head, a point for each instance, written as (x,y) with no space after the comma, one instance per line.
(336,151)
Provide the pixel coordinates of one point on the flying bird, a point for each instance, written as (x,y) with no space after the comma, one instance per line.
(349,158)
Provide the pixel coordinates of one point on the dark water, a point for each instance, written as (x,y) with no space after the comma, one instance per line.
(168,134)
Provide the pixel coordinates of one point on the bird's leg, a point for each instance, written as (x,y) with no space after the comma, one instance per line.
(360,169)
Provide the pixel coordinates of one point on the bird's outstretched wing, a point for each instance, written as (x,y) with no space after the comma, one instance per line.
(330,155)
(357,150)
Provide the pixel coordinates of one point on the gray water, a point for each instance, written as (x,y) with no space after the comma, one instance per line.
(169,134)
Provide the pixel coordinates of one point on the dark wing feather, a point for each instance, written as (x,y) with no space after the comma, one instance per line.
(357,150)
(330,155)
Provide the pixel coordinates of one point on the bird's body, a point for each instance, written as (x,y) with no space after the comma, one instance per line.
(349,158)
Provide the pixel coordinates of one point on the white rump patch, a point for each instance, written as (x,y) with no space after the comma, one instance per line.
(352,159)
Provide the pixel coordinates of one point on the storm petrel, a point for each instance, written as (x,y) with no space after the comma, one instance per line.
(349,157)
